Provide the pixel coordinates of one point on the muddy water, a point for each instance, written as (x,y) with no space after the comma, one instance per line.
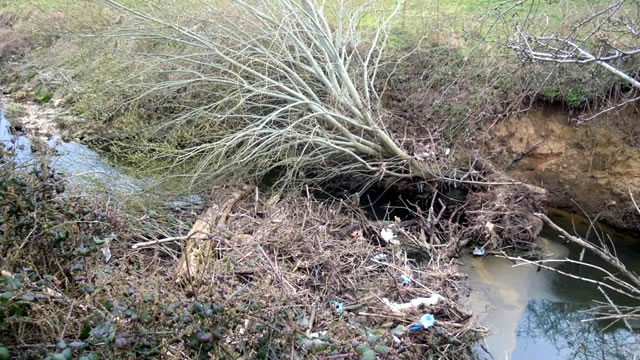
(536,315)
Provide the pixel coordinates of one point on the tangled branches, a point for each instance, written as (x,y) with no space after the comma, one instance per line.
(606,36)
(288,91)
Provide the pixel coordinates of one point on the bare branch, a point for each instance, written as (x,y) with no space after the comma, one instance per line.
(288,92)
(602,253)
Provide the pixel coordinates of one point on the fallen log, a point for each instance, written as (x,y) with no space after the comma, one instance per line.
(198,246)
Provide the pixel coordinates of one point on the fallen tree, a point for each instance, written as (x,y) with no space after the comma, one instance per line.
(281,88)
(288,91)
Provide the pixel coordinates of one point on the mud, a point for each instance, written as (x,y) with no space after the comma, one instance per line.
(587,168)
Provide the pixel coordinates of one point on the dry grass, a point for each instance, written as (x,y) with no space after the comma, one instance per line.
(12,43)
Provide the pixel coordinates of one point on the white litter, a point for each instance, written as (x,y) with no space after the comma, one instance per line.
(387,234)
(417,302)
(379,257)
(107,254)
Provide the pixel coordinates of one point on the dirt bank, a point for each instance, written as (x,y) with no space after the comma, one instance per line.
(592,167)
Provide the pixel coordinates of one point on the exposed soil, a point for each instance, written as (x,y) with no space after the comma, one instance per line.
(591,168)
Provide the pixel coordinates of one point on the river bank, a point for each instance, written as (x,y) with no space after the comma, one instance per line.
(590,169)
(501,298)
(164,198)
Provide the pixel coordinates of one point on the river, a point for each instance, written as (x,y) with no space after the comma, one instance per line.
(537,314)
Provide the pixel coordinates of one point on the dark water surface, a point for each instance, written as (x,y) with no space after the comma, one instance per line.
(540,315)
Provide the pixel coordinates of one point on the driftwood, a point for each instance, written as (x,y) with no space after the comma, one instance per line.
(198,247)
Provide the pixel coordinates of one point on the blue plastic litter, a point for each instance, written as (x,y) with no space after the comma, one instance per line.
(379,257)
(426,321)
(339,306)
(478,252)
(405,280)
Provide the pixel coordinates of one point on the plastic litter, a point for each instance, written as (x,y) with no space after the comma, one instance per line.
(426,321)
(315,335)
(379,257)
(405,280)
(107,253)
(417,302)
(339,306)
(478,252)
(387,234)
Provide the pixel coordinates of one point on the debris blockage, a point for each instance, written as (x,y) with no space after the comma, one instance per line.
(317,280)
(250,275)
(503,217)
(322,279)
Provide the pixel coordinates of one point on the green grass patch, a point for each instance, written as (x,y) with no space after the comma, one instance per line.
(43,98)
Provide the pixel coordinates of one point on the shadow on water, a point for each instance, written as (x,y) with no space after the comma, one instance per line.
(538,314)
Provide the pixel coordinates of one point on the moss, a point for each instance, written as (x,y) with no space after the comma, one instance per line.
(43,98)
(456,110)
(575,98)
(549,93)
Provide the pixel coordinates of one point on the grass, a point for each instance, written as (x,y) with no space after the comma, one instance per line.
(131,307)
(14,111)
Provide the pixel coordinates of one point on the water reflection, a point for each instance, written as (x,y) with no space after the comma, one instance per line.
(89,170)
(556,330)
(20,146)
(539,315)
(85,168)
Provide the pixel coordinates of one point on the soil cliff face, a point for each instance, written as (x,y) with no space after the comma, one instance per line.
(592,167)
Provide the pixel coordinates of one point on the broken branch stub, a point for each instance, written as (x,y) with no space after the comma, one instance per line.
(198,247)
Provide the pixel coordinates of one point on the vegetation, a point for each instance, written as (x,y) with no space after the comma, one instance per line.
(294,98)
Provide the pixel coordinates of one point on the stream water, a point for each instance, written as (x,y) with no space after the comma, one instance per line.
(85,169)
(84,166)
(540,315)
